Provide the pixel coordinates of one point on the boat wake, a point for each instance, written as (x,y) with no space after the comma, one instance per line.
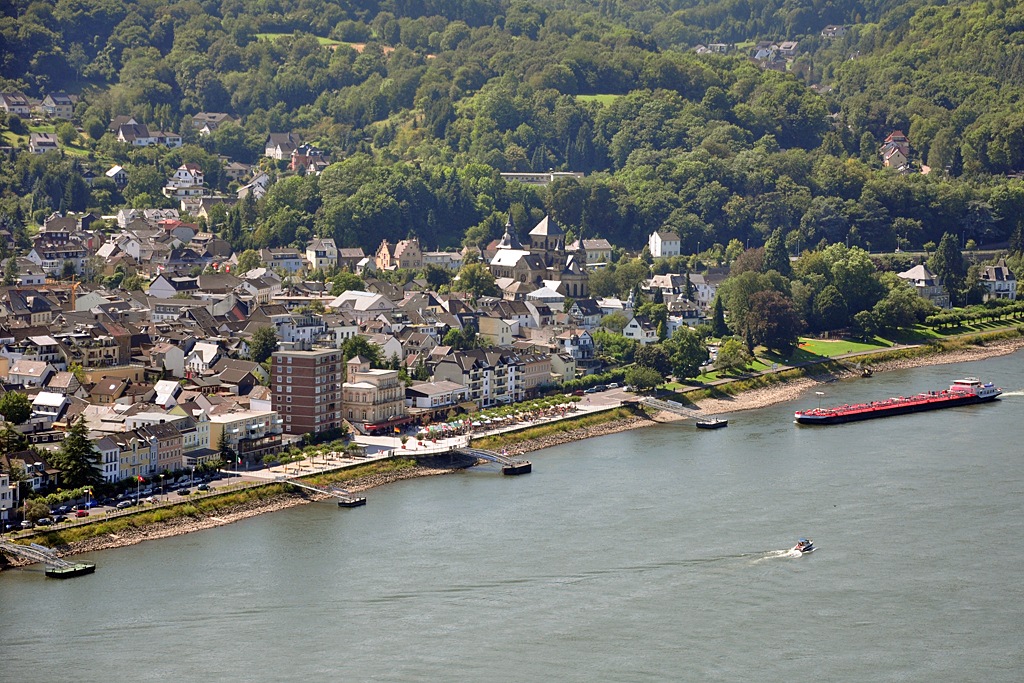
(1014,393)
(786,554)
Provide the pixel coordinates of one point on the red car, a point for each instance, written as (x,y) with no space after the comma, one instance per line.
(81,513)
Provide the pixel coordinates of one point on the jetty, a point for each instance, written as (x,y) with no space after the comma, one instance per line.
(56,567)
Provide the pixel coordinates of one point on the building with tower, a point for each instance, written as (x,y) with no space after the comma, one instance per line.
(545,262)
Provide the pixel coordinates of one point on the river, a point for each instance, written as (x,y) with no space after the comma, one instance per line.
(652,555)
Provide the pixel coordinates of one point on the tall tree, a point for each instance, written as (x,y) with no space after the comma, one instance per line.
(718,326)
(262,343)
(948,263)
(776,256)
(688,352)
(78,460)
(15,407)
(771,321)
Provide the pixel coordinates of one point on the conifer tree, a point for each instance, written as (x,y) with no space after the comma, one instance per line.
(78,460)
(718,327)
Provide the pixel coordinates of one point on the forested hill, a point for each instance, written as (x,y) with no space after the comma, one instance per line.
(424,102)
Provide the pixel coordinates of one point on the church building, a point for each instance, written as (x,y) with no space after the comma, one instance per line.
(545,262)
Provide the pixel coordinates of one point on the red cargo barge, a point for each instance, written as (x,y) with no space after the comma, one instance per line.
(963,392)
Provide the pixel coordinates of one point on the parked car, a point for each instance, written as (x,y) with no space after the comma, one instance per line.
(578,392)
(151,500)
(600,387)
(124,504)
(613,385)
(184,492)
(591,390)
(59,518)
(91,504)
(108,502)
(27,525)
(148,491)
(65,509)
(45,521)
(81,513)
(203,487)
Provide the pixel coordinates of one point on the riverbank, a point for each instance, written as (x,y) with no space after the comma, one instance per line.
(759,393)
(134,531)
(790,389)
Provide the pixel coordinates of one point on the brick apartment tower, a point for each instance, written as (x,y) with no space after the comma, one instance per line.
(307,387)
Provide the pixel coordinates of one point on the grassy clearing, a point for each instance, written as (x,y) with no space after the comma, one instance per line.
(603,100)
(275,36)
(504,440)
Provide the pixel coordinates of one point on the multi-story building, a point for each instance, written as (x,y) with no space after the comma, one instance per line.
(322,253)
(58,105)
(187,181)
(404,254)
(374,399)
(490,376)
(250,434)
(168,445)
(927,284)
(8,495)
(307,387)
(999,281)
(110,458)
(536,371)
(664,244)
(137,453)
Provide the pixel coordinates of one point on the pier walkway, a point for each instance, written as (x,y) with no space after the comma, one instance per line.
(36,553)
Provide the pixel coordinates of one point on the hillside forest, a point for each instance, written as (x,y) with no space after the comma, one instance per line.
(421,104)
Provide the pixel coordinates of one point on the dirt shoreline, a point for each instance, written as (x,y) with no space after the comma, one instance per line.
(755,398)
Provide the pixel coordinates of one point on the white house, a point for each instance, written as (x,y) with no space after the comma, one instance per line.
(187,181)
(833,31)
(641,329)
(203,356)
(999,281)
(664,244)
(322,253)
(110,459)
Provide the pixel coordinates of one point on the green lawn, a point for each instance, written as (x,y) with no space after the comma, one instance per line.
(275,36)
(15,140)
(603,100)
(45,128)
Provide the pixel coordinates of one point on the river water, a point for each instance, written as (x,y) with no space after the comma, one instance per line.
(652,555)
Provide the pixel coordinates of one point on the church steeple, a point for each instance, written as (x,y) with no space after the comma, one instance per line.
(509,239)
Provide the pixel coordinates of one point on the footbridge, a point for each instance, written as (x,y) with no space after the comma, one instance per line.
(509,465)
(671,407)
(36,553)
(346,499)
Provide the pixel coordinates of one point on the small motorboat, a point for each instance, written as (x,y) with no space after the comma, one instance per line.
(804,546)
(713,423)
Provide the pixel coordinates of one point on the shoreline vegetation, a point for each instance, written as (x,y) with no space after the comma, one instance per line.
(747,394)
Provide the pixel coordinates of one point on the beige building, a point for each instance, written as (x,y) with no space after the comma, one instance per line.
(372,398)
(251,434)
(405,254)
(322,253)
(498,332)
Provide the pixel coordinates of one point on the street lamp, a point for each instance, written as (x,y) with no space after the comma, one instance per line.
(162,485)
